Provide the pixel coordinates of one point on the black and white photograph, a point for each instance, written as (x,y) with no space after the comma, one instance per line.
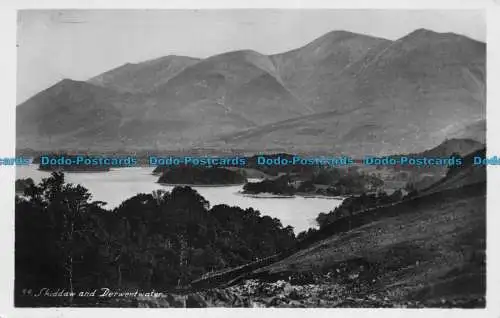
(269,158)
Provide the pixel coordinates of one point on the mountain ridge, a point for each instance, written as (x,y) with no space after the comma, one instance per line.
(377,95)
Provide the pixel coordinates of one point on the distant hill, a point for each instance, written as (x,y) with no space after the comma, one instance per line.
(458,177)
(316,72)
(476,131)
(344,93)
(66,113)
(409,96)
(450,146)
(446,149)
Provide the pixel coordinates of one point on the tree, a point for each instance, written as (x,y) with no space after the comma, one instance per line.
(62,215)
(158,240)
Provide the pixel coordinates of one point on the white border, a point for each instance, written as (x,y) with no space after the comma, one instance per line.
(8,26)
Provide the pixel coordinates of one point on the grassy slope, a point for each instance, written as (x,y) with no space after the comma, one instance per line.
(426,250)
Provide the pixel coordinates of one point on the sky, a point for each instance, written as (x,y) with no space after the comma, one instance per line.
(79,44)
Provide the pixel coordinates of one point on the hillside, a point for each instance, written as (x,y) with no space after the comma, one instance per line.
(315,72)
(68,112)
(424,253)
(446,149)
(145,76)
(409,96)
(421,177)
(476,131)
(457,177)
(237,84)
(462,147)
(344,93)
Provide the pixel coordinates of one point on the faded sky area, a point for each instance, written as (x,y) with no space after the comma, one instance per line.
(79,44)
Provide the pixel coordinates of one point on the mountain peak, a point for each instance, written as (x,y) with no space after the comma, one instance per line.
(344,34)
(169,58)
(427,34)
(337,35)
(424,34)
(65,81)
(423,31)
(238,53)
(341,33)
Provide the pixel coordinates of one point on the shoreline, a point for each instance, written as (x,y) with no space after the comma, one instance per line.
(320,196)
(74,171)
(266,195)
(200,185)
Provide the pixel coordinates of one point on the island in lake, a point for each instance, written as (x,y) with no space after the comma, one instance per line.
(189,175)
(325,183)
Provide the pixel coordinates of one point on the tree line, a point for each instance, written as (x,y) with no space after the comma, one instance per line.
(159,240)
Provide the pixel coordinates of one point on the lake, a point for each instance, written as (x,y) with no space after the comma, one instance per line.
(117,185)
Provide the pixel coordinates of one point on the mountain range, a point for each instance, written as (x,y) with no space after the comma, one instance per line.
(344,92)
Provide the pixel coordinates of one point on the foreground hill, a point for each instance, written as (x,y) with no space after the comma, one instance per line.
(428,251)
(343,92)
(424,252)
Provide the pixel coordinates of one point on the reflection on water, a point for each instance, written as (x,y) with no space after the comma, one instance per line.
(117,185)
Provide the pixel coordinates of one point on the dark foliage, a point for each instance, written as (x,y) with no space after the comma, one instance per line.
(161,240)
(345,183)
(279,185)
(22,184)
(354,205)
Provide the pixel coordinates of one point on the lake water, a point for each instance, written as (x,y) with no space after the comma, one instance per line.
(117,185)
